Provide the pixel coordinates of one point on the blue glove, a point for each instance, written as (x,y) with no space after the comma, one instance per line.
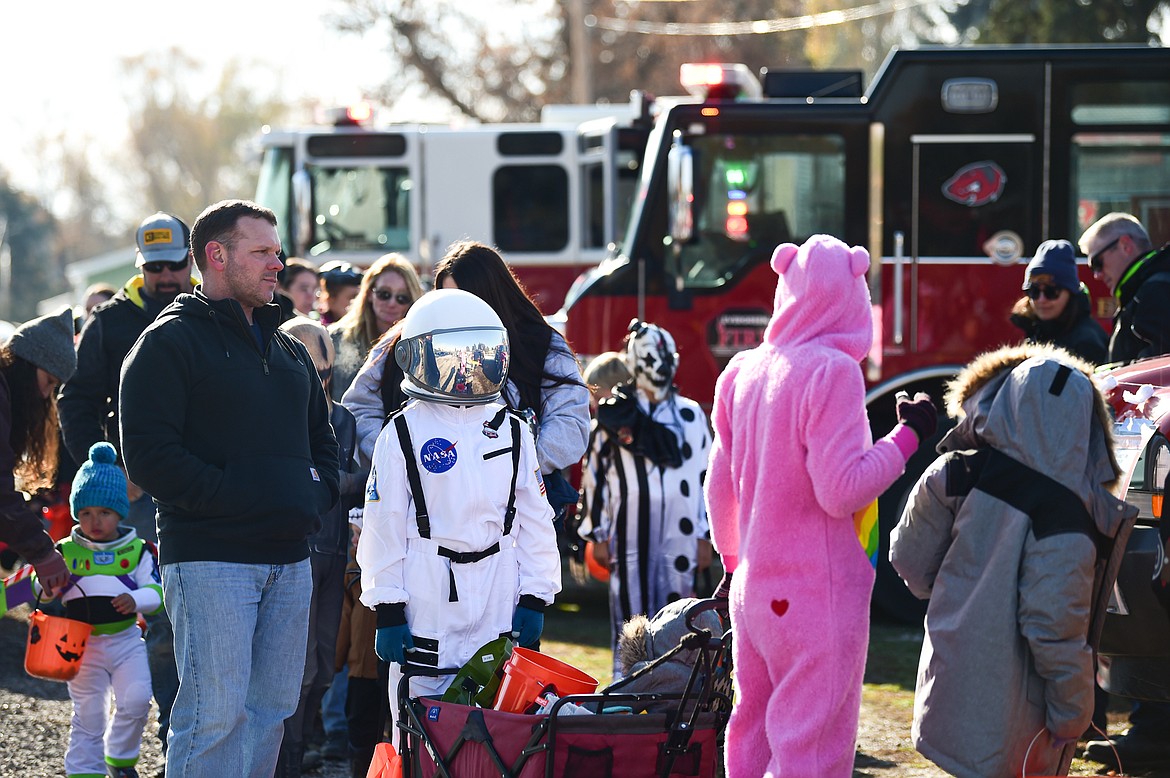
(391,643)
(527,624)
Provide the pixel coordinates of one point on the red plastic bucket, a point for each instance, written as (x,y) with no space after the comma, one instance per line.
(528,673)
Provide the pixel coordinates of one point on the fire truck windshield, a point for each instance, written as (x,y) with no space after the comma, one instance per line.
(359,209)
(753,192)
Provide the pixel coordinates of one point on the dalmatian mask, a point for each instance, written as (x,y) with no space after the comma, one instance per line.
(651,359)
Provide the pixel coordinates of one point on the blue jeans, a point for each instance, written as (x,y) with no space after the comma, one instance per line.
(240,636)
(333,705)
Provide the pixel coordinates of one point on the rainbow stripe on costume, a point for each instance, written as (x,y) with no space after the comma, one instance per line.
(865,523)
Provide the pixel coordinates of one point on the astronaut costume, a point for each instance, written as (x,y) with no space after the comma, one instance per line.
(458,530)
(642,483)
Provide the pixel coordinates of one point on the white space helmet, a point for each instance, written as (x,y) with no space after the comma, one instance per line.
(651,359)
(453,349)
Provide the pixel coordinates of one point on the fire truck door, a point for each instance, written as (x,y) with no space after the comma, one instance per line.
(976,209)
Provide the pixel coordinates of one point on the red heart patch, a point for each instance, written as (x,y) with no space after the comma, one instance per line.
(779,607)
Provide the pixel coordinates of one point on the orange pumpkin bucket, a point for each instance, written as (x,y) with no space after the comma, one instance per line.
(55,646)
(528,673)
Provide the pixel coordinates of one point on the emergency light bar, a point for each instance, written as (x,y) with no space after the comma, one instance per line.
(341,116)
(719,81)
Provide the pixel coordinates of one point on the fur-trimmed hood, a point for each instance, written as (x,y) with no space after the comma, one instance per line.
(1039,405)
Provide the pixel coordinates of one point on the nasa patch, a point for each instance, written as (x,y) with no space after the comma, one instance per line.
(438,455)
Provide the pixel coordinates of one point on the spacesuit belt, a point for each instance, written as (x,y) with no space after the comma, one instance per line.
(464,558)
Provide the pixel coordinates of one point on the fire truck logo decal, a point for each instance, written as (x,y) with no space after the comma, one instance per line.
(736,330)
(976,184)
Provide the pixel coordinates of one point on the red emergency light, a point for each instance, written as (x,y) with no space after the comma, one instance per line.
(719,81)
(357,113)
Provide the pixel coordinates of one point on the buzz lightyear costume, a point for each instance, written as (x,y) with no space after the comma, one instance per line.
(457,534)
(115,654)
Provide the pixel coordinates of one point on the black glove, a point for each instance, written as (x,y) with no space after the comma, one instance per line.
(918,414)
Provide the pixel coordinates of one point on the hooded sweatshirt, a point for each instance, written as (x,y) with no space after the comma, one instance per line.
(1001,534)
(792,461)
(230,436)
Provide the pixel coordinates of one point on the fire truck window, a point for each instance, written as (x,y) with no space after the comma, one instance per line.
(1121,102)
(593,183)
(273,190)
(753,192)
(530,208)
(360,209)
(1122,172)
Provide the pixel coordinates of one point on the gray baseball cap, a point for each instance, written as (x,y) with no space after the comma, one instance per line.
(162,238)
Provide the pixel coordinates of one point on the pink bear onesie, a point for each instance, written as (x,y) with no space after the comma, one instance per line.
(792,460)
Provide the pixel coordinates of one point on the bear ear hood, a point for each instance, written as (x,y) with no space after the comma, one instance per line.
(822,296)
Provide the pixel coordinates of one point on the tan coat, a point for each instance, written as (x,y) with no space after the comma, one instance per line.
(355,637)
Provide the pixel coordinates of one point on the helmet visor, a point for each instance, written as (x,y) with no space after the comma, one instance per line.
(465,364)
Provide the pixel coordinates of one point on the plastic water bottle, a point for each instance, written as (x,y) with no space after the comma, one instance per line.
(548,699)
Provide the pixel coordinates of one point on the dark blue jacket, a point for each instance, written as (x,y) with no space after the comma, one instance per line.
(231,438)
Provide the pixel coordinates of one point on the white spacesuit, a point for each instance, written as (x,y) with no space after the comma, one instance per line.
(457,533)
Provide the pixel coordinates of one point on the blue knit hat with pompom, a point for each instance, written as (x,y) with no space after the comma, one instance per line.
(100,483)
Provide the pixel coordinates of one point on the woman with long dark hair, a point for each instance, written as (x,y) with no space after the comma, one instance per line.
(543,377)
(33,363)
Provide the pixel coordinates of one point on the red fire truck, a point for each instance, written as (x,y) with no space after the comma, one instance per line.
(551,195)
(950,168)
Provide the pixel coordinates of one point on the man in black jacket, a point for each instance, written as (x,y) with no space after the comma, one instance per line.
(1121,255)
(88,405)
(224,421)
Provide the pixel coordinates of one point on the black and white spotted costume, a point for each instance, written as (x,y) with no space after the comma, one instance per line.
(651,516)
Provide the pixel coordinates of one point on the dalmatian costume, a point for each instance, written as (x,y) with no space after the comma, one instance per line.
(646,506)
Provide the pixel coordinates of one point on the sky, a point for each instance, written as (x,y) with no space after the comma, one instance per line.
(60,62)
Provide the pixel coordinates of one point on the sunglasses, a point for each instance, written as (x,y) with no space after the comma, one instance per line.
(158,267)
(1035,290)
(1097,261)
(386,295)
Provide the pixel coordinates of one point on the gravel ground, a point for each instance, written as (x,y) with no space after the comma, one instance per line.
(34,724)
(34,718)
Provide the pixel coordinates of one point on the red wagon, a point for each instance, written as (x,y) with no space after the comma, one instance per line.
(633,735)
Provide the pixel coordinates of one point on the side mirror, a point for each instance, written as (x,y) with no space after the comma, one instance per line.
(680,183)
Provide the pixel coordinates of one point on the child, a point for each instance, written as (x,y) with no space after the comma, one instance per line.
(457,545)
(602,374)
(1001,534)
(792,461)
(118,572)
(328,550)
(642,499)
